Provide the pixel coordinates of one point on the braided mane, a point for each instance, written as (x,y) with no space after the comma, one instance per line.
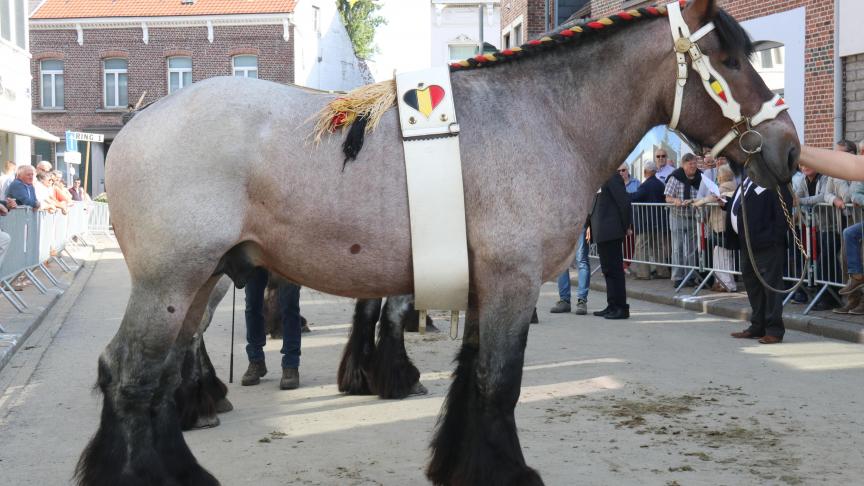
(564,35)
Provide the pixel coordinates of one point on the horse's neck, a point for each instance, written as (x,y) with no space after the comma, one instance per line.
(604,95)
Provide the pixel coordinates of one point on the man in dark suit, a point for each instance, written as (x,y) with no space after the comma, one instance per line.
(651,224)
(608,221)
(767,231)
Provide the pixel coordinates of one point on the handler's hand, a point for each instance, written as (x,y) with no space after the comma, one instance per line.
(588,234)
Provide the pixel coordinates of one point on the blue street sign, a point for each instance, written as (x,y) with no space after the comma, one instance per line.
(71,143)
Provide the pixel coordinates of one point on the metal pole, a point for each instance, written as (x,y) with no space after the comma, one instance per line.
(481,30)
(233,311)
(545,15)
(87,167)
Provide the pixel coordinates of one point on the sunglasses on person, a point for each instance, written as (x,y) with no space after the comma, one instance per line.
(620,171)
(660,156)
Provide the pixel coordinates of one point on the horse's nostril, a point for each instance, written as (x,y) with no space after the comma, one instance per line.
(792,160)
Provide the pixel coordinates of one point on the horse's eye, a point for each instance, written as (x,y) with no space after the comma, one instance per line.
(732,63)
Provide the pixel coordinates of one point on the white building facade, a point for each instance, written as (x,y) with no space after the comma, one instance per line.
(16,127)
(461,28)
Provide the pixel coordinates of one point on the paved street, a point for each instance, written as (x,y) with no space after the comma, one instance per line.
(666,398)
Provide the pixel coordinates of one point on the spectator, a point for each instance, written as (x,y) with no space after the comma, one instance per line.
(256,332)
(631,184)
(664,165)
(651,225)
(45,193)
(21,190)
(609,221)
(6,178)
(723,257)
(681,189)
(767,238)
(5,239)
(78,192)
(584,277)
(813,189)
(43,166)
(852,242)
(61,194)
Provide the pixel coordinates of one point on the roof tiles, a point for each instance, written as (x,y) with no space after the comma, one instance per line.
(75,9)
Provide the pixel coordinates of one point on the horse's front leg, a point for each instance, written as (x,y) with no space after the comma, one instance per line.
(393,373)
(476,441)
(354,369)
(139,441)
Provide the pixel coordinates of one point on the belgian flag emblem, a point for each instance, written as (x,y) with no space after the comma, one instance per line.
(424,100)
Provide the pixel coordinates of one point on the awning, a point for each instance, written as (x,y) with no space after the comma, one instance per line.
(21,127)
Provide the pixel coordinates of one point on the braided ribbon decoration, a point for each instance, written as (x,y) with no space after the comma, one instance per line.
(562,36)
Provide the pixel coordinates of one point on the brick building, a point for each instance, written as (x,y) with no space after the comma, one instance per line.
(92,59)
(801,34)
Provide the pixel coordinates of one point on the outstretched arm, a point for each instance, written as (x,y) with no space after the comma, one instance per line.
(842,165)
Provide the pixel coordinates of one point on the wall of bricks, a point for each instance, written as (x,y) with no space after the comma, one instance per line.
(854,98)
(147,65)
(532,14)
(818,59)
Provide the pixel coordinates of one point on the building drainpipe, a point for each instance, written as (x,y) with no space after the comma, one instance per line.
(838,77)
(481,30)
(545,15)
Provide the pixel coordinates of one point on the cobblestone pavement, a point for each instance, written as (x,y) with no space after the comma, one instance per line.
(664,398)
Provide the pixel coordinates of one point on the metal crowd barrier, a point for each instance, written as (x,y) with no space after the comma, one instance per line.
(689,243)
(38,237)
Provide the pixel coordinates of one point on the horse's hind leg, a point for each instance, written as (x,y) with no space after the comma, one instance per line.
(475,440)
(353,375)
(201,395)
(139,441)
(393,373)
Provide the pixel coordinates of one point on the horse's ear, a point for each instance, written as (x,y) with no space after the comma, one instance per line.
(701,10)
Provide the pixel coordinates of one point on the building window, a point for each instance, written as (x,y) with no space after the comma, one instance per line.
(6,19)
(246,66)
(458,52)
(517,35)
(316,19)
(20,23)
(116,83)
(179,73)
(506,41)
(52,84)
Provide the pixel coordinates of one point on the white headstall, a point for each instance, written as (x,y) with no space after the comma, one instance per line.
(749,140)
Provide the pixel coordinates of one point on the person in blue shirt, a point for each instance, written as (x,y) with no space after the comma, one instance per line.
(21,190)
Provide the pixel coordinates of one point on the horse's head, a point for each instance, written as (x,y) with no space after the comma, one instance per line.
(724,103)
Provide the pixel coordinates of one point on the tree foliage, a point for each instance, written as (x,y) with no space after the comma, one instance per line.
(360,19)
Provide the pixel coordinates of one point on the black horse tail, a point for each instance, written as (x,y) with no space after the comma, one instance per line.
(354,141)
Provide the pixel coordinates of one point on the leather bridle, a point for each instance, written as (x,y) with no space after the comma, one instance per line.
(717,88)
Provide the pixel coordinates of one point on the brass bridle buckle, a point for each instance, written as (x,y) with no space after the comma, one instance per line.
(682,45)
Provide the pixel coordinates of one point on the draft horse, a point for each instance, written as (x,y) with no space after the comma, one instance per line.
(542,127)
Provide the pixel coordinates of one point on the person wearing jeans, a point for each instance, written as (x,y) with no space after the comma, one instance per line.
(584,278)
(288,298)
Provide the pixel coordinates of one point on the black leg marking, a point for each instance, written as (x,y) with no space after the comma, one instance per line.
(475,439)
(393,373)
(360,349)
(160,455)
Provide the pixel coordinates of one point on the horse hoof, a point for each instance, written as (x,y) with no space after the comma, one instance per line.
(223,405)
(418,389)
(206,422)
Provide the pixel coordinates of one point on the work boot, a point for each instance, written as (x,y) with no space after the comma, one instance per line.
(622,312)
(856,280)
(290,379)
(581,307)
(852,302)
(253,374)
(561,307)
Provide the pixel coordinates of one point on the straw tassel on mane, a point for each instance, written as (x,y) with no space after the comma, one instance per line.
(360,110)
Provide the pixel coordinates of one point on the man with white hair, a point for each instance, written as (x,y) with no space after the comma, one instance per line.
(664,165)
(650,224)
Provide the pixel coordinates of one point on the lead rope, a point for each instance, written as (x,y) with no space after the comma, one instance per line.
(794,235)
